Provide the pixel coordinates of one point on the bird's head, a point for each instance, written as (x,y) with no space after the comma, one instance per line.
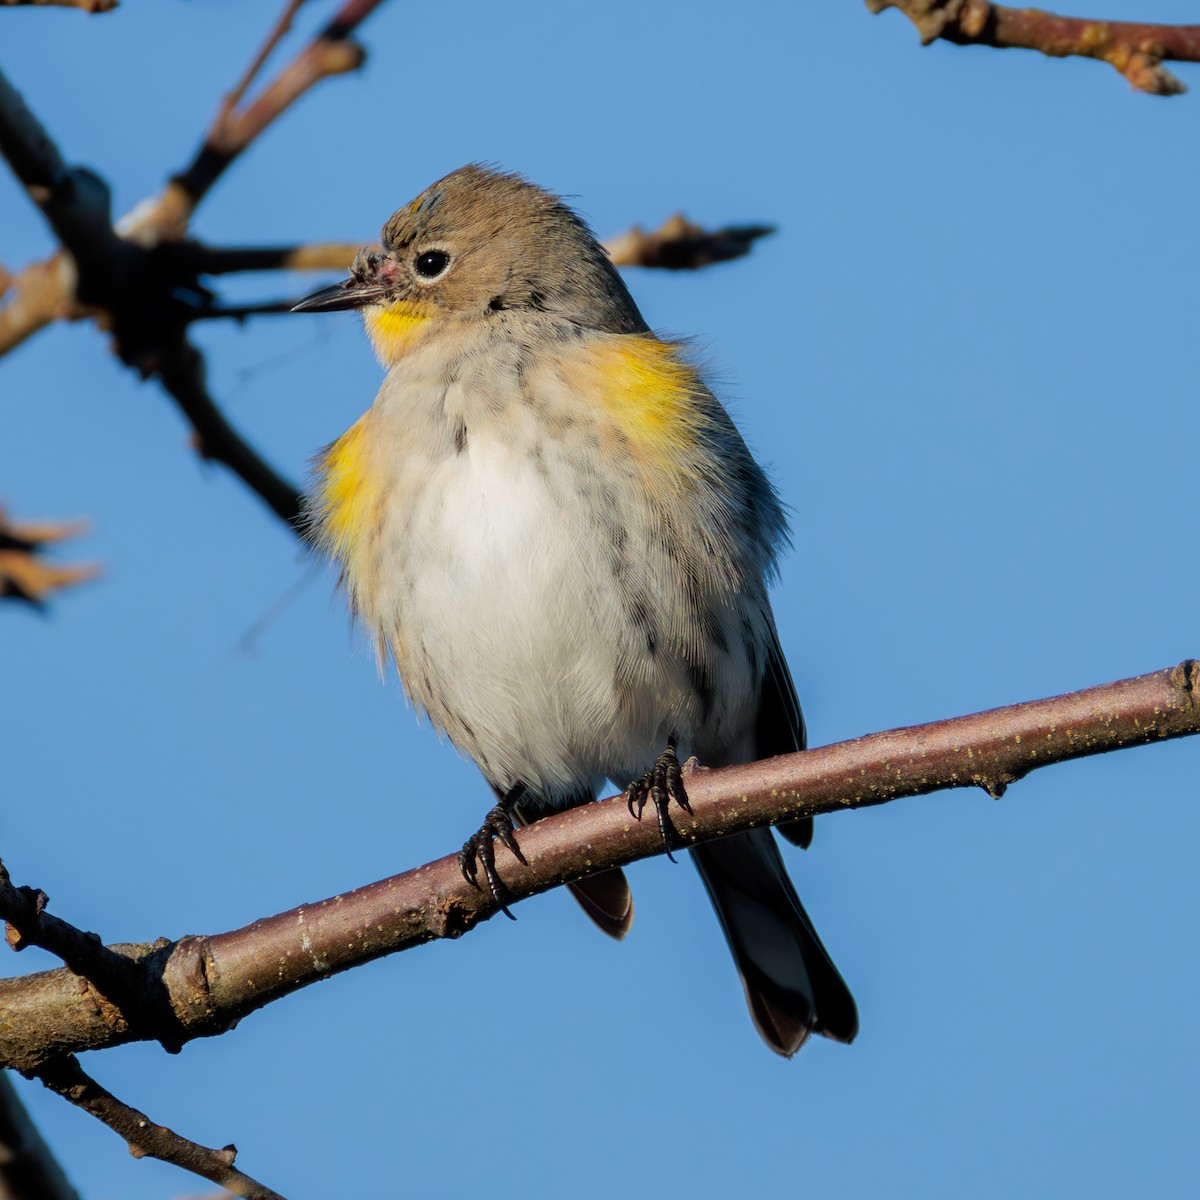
(478,244)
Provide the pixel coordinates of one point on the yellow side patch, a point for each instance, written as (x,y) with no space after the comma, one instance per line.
(650,392)
(392,328)
(349,493)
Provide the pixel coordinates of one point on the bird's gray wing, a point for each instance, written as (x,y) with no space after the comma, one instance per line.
(780,728)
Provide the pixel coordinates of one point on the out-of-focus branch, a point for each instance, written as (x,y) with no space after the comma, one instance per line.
(40,294)
(28,1169)
(146,1139)
(212,982)
(678,245)
(236,126)
(144,301)
(200,259)
(281,29)
(45,292)
(75,201)
(1135,49)
(88,6)
(24,573)
(146,307)
(181,372)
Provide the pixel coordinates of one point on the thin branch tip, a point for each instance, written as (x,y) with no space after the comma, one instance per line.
(679,245)
(145,1138)
(1136,50)
(26,574)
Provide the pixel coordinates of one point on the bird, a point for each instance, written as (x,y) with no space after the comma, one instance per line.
(552,528)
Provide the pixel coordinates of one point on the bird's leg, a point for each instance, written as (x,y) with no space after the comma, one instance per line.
(478,850)
(660,785)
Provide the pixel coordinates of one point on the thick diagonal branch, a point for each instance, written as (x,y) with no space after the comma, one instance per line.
(1136,49)
(211,982)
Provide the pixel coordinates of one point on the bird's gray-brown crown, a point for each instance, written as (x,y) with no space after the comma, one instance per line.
(483,241)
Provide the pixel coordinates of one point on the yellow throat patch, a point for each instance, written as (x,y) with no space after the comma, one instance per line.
(394,327)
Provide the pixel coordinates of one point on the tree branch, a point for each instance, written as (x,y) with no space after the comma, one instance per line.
(678,245)
(1136,50)
(199,259)
(331,52)
(122,981)
(181,372)
(212,982)
(281,29)
(42,293)
(146,1139)
(75,201)
(148,307)
(28,1169)
(24,573)
(88,6)
(675,245)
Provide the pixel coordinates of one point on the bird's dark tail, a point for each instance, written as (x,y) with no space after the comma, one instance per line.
(792,986)
(606,898)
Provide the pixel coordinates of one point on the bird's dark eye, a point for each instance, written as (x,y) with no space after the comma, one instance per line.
(432,263)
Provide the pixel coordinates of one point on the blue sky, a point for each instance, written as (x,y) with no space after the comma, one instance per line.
(967,357)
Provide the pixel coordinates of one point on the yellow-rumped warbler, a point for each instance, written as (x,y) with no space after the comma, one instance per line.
(553,528)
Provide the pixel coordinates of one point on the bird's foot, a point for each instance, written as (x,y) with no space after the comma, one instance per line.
(660,785)
(479,851)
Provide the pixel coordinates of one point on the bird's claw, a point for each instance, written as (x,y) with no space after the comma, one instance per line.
(660,785)
(479,851)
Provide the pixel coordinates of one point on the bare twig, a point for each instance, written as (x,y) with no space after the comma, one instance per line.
(40,294)
(75,201)
(678,245)
(282,27)
(88,6)
(146,1139)
(1135,49)
(211,982)
(200,259)
(28,1168)
(181,372)
(675,245)
(255,308)
(235,129)
(26,575)
(44,292)
(123,275)
(147,307)
(331,52)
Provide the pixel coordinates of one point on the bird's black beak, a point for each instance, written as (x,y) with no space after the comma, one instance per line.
(350,293)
